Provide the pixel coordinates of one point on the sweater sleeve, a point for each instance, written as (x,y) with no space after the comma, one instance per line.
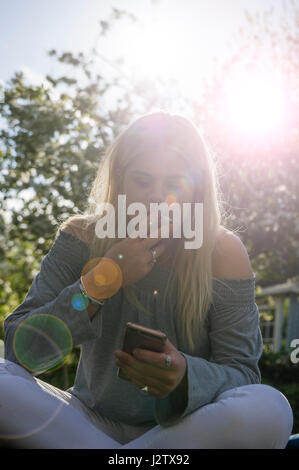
(236,346)
(53,318)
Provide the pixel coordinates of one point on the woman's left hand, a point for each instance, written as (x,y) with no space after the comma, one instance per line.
(148,368)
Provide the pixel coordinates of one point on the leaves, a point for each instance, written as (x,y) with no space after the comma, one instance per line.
(259,175)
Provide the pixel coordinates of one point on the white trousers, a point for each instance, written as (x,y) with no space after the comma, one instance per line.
(36,415)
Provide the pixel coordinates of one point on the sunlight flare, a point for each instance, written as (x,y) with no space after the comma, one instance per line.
(255,102)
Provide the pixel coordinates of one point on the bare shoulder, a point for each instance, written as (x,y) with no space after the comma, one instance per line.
(230,258)
(81,227)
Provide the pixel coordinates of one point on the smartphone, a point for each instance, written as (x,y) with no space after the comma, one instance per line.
(137,336)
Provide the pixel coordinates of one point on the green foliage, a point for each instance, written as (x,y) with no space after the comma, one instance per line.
(259,174)
(278,371)
(51,144)
(278,367)
(64,376)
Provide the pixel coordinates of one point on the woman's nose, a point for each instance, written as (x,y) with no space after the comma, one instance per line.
(158,193)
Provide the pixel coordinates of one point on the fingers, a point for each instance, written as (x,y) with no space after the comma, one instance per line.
(156,385)
(150,357)
(153,389)
(146,361)
(143,368)
(156,235)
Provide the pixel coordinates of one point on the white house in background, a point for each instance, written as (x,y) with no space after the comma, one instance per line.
(272,318)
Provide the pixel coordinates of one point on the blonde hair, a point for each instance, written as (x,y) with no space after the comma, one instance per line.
(193,267)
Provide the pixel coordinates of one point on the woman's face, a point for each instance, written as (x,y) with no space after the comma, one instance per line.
(158,177)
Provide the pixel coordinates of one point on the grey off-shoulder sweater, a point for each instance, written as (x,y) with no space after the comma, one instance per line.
(228,346)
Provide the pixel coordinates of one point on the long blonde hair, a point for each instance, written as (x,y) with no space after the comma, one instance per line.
(193,267)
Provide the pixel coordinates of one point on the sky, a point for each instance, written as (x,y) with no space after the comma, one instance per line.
(201,28)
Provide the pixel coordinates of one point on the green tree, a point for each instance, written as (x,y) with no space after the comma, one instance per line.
(259,175)
(52,137)
(51,140)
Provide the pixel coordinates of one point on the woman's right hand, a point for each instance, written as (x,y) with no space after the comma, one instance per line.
(134,257)
(132,260)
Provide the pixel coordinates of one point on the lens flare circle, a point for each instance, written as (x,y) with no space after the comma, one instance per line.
(54,335)
(79,302)
(102,277)
(57,336)
(170,198)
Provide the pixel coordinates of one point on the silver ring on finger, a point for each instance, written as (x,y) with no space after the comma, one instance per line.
(167,361)
(154,255)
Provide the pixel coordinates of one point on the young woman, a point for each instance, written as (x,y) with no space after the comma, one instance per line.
(205,390)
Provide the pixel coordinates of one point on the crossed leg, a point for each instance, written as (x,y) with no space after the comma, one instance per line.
(254,416)
(36,415)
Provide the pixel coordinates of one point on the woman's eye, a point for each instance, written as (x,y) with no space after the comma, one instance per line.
(174,187)
(142,183)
